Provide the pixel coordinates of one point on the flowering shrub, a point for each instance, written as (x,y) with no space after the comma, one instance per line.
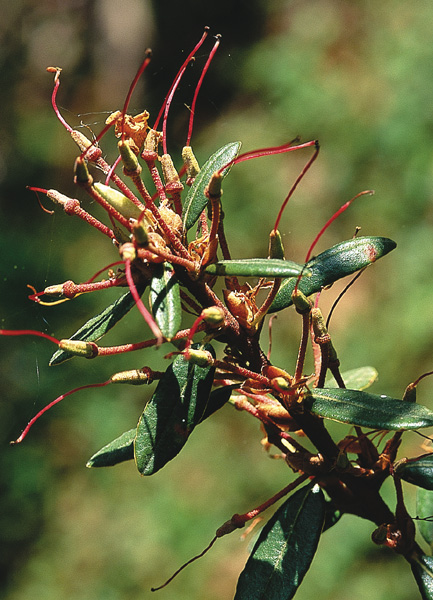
(173,255)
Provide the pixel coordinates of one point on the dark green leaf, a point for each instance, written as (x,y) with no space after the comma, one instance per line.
(424,510)
(164,296)
(332,516)
(422,569)
(176,407)
(355,379)
(367,410)
(418,471)
(196,200)
(256,267)
(285,548)
(217,399)
(99,325)
(333,264)
(119,450)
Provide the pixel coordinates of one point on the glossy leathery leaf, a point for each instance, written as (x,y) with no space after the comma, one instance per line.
(117,451)
(176,407)
(422,569)
(217,399)
(196,200)
(257,267)
(164,297)
(355,379)
(424,510)
(367,410)
(99,325)
(333,264)
(418,471)
(285,548)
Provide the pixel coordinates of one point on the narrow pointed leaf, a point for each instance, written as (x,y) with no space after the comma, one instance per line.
(176,407)
(418,471)
(424,510)
(367,410)
(217,399)
(256,267)
(422,569)
(196,200)
(119,450)
(333,264)
(355,379)
(99,325)
(164,299)
(285,548)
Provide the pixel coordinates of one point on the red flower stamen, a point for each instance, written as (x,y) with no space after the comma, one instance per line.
(51,404)
(197,89)
(182,68)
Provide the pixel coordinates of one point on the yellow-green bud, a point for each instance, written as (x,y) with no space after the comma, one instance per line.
(319,325)
(282,383)
(140,233)
(117,200)
(301,302)
(127,251)
(79,348)
(129,159)
(190,162)
(133,377)
(213,315)
(201,358)
(276,248)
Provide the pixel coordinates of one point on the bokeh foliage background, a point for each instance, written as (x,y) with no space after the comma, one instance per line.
(357,76)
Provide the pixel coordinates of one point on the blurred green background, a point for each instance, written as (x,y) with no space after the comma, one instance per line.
(357,76)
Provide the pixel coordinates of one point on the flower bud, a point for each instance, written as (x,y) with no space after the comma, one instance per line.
(171,176)
(139,231)
(281,383)
(129,159)
(127,251)
(201,358)
(81,172)
(276,248)
(213,315)
(85,144)
(213,189)
(117,200)
(133,377)
(301,302)
(190,162)
(79,348)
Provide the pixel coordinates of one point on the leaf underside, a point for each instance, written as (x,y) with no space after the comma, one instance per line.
(367,410)
(284,549)
(333,264)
